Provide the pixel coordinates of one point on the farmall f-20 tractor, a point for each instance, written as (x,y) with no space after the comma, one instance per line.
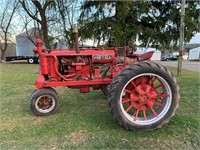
(142,95)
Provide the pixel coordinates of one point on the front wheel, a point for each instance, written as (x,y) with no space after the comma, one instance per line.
(44,102)
(143,96)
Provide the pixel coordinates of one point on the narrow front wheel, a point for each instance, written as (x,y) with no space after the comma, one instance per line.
(44,102)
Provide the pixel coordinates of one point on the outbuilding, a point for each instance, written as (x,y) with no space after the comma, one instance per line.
(194,42)
(194,54)
(25,42)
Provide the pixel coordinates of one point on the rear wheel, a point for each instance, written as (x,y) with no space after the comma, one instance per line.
(104,89)
(104,72)
(143,96)
(44,102)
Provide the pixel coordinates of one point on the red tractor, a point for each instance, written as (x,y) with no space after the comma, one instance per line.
(142,95)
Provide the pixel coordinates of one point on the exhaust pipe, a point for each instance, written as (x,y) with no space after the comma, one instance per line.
(75,31)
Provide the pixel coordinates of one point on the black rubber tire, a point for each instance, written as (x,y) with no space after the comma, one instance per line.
(104,89)
(124,77)
(104,70)
(44,91)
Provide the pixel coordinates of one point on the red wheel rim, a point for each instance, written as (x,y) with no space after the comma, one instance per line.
(45,103)
(145,99)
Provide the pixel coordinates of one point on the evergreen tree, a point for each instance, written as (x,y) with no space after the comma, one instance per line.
(120,22)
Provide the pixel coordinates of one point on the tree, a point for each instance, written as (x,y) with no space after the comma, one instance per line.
(67,14)
(159,20)
(38,12)
(55,17)
(29,26)
(5,25)
(114,22)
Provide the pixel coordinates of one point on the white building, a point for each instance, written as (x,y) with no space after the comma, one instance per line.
(194,42)
(194,54)
(24,42)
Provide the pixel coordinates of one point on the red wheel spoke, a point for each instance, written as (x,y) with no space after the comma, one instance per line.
(144,113)
(128,91)
(153,111)
(133,84)
(159,103)
(153,95)
(152,81)
(43,107)
(162,95)
(129,108)
(148,88)
(138,81)
(136,114)
(157,87)
(125,100)
(139,90)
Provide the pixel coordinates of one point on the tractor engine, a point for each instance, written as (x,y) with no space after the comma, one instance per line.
(84,67)
(76,70)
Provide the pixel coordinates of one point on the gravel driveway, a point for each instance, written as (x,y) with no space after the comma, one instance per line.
(188,65)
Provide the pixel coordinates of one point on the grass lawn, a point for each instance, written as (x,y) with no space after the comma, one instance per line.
(83,120)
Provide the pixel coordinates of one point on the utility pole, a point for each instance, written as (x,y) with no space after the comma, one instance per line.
(181,39)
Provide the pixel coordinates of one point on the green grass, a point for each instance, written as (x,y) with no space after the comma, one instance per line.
(83,120)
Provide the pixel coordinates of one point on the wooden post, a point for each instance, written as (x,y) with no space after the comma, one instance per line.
(181,39)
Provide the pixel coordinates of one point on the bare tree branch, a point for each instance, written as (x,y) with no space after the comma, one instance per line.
(47,3)
(37,4)
(28,11)
(41,9)
(11,16)
(6,20)
(3,16)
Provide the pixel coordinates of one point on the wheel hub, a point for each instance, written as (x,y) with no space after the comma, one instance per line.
(45,103)
(143,97)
